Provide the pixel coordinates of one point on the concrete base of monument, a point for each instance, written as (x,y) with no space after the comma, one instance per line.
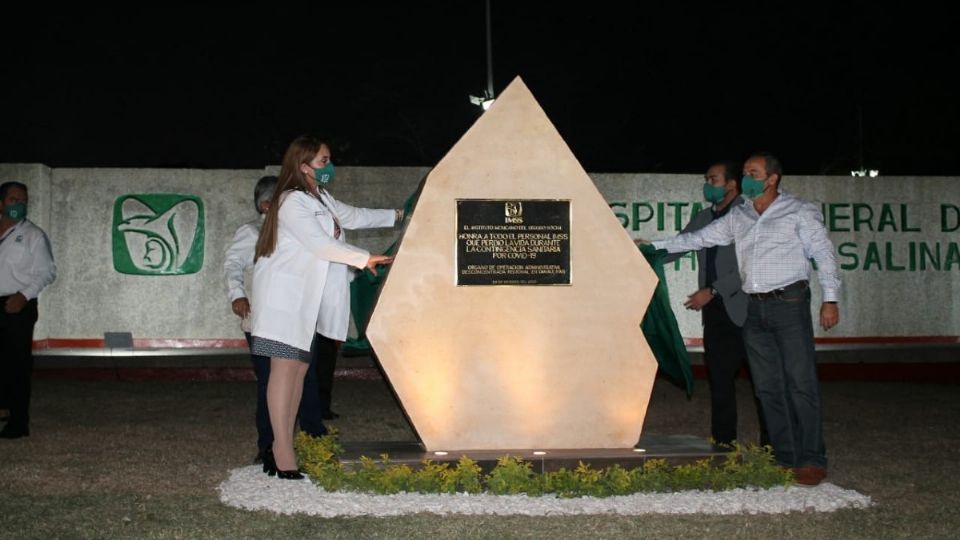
(675,449)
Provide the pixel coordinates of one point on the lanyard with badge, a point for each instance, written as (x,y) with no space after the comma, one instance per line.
(336,222)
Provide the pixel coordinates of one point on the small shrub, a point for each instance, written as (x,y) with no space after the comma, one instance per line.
(511,476)
(694,475)
(654,476)
(318,457)
(616,481)
(395,479)
(464,478)
(582,481)
(744,466)
(563,482)
(365,475)
(429,478)
(754,465)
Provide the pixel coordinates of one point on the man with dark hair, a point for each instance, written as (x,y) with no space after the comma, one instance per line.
(238,270)
(26,268)
(722,304)
(776,235)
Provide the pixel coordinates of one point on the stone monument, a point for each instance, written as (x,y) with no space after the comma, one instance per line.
(510,318)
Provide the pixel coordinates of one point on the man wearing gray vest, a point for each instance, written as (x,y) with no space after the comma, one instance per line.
(722,304)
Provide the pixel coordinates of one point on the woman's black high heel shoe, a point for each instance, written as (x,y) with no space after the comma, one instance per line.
(269,464)
(270,467)
(289,475)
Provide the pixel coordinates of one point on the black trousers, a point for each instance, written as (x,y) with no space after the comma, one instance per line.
(16,361)
(325,352)
(724,355)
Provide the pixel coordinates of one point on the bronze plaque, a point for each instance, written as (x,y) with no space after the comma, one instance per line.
(513,242)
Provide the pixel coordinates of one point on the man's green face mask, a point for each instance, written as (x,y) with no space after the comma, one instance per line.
(713,193)
(16,211)
(751,187)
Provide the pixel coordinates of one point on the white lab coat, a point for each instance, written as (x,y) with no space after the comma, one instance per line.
(301,274)
(238,264)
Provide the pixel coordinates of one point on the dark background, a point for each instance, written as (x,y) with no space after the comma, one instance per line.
(630,89)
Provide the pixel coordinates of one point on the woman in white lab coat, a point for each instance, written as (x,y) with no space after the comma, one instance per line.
(302,278)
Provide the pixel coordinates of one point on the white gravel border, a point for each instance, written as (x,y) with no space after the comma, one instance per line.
(249,489)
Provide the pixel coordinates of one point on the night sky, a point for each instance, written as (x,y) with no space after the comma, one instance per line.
(631,90)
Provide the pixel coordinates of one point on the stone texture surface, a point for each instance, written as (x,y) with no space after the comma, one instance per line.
(488,367)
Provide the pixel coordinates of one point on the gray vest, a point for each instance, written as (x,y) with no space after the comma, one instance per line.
(728,271)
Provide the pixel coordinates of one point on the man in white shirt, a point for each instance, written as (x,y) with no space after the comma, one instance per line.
(238,270)
(26,268)
(721,300)
(776,235)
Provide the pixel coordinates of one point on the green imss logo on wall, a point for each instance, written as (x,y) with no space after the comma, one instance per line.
(158,234)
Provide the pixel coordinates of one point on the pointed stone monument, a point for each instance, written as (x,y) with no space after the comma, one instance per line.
(511,316)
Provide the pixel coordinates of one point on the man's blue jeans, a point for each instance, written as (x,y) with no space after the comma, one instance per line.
(778,335)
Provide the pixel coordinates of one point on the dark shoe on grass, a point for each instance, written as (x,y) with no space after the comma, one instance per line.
(809,475)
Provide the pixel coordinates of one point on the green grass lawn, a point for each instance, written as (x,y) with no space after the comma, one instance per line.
(144,459)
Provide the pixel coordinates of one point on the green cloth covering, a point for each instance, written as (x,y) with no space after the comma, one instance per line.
(660,327)
(659,324)
(365,287)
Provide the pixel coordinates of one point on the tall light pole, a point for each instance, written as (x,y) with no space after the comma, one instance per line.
(862,171)
(488,97)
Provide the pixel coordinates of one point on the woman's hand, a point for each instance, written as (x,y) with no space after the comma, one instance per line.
(376,260)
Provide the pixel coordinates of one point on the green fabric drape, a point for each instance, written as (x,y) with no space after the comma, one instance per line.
(660,327)
(365,287)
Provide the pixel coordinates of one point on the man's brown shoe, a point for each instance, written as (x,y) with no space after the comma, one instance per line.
(809,475)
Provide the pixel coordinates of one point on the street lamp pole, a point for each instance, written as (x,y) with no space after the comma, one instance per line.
(489,55)
(487,98)
(862,171)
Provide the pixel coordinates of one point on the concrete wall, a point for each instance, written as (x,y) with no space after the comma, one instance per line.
(891,284)
(89,297)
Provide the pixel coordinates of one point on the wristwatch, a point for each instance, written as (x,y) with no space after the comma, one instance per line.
(714,292)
